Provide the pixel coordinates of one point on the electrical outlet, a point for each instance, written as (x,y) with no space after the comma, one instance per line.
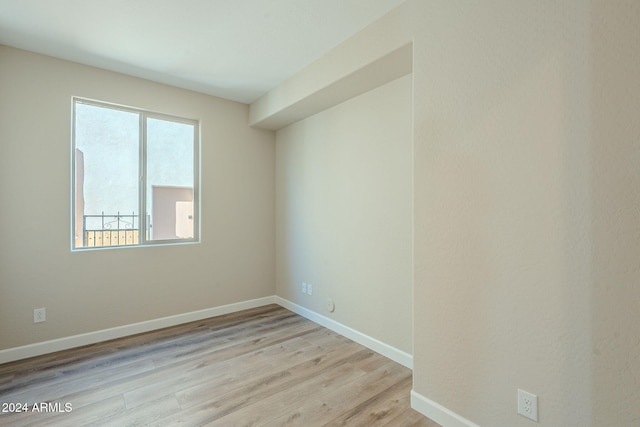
(528,405)
(309,288)
(304,288)
(39,315)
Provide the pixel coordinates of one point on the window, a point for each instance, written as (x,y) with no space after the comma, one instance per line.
(126,162)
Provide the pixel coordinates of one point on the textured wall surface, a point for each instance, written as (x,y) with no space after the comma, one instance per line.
(615,228)
(343,212)
(503,211)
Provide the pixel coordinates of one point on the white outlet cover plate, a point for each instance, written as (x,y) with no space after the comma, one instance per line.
(528,405)
(39,315)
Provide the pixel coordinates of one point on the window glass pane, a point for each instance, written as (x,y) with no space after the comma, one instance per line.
(106,176)
(170,179)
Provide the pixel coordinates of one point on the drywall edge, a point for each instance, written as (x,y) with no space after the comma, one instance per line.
(286,105)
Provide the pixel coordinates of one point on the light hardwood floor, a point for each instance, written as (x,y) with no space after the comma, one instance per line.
(261,367)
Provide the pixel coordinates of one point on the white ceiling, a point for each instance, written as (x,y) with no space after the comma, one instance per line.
(235,49)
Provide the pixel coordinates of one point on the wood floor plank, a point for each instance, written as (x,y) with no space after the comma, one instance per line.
(60,390)
(280,401)
(378,409)
(328,407)
(214,403)
(179,380)
(169,378)
(260,367)
(149,413)
(411,418)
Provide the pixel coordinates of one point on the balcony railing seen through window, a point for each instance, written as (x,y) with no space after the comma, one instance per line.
(110,230)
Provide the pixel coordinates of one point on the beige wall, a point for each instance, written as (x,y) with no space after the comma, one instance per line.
(526,225)
(93,290)
(343,213)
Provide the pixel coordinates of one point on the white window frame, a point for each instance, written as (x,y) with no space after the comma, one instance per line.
(142,168)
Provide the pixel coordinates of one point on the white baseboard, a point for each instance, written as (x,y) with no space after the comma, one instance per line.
(378,346)
(51,346)
(37,349)
(437,412)
(425,406)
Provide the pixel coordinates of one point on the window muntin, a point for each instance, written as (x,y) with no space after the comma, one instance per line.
(128,161)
